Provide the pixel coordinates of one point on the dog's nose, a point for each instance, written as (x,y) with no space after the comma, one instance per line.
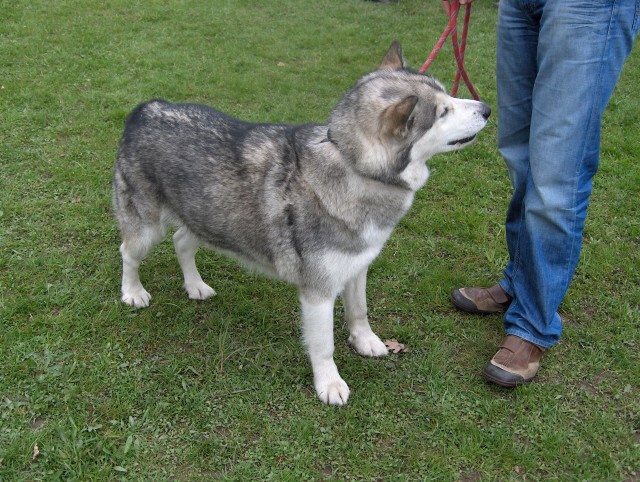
(486,110)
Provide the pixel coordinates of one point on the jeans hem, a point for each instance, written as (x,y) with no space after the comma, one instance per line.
(530,338)
(506,287)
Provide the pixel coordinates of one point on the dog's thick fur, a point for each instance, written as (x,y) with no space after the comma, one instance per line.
(312,204)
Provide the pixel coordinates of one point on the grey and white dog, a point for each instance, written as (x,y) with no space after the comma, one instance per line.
(311,204)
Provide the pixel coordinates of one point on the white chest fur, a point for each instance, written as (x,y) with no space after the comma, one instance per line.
(341,266)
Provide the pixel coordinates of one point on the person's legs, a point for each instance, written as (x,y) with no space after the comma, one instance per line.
(557,64)
(516,68)
(581,49)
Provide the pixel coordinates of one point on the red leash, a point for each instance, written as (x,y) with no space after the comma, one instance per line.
(452,10)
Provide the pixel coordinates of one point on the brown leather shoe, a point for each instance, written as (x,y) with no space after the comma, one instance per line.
(482,301)
(516,362)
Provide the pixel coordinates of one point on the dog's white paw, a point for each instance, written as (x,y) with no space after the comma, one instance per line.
(333,392)
(199,290)
(368,344)
(138,298)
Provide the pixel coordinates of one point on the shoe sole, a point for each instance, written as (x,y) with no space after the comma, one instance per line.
(502,382)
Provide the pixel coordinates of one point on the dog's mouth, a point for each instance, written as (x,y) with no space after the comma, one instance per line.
(465,140)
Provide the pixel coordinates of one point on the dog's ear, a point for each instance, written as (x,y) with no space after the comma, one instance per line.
(393,60)
(395,118)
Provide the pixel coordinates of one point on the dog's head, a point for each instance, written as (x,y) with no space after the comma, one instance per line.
(394,119)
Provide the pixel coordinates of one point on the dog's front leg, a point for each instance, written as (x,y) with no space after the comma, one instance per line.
(317,336)
(361,336)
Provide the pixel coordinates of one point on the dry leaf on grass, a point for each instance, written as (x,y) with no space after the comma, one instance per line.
(395,346)
(36,451)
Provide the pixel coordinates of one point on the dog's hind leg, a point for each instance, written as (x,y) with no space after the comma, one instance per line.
(187,244)
(317,336)
(134,249)
(361,336)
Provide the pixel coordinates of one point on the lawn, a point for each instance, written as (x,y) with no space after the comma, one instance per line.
(91,389)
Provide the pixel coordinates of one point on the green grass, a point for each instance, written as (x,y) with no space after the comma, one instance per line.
(222,389)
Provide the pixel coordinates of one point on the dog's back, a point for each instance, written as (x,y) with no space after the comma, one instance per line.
(262,193)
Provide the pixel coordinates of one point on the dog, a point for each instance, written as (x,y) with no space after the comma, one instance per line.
(309,204)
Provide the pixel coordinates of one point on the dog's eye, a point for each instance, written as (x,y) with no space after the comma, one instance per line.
(444,112)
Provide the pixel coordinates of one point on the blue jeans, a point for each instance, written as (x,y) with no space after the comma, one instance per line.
(557,64)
